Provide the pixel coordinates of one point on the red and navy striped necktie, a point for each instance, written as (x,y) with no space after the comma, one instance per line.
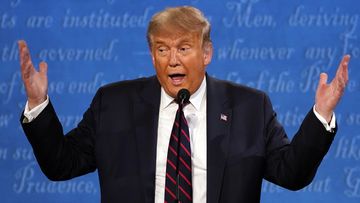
(178,185)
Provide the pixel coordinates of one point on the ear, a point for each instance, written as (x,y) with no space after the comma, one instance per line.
(152,57)
(208,52)
(149,38)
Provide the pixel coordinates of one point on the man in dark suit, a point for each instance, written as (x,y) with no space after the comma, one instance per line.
(236,140)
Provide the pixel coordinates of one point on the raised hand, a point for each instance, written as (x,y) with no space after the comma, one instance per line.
(329,95)
(36,82)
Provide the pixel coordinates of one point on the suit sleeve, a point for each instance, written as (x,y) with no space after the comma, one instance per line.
(293,165)
(62,157)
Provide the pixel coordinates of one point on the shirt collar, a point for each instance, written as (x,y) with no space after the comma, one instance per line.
(195,99)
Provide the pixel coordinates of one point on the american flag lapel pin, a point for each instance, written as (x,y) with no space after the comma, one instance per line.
(223,117)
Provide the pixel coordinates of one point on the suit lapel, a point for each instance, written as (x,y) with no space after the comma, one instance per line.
(146,112)
(218,126)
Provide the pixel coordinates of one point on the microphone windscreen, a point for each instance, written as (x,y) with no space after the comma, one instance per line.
(183,96)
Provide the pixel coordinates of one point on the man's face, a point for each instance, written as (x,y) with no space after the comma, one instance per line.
(180,61)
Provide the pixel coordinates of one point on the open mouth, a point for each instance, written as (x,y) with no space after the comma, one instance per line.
(176,75)
(177,78)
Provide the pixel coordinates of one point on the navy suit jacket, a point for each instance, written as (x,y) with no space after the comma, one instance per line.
(118,136)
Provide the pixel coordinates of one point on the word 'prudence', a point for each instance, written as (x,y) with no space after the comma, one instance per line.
(27,183)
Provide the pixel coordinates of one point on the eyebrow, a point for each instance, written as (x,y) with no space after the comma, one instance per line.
(181,41)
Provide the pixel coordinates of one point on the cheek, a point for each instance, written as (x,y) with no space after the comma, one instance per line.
(161,71)
(196,69)
(158,65)
(161,63)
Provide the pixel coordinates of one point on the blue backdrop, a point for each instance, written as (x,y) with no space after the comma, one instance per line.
(277,46)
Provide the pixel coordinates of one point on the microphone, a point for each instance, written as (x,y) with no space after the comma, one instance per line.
(183,96)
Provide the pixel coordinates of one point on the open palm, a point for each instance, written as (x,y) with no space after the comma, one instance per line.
(329,95)
(36,82)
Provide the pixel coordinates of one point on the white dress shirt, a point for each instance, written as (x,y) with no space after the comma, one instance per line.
(195,114)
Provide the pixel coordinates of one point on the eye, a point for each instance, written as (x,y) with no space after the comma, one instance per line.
(162,50)
(184,49)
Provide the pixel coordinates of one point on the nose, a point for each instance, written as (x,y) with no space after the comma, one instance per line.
(174,58)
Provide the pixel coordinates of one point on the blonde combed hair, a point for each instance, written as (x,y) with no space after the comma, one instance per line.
(183,19)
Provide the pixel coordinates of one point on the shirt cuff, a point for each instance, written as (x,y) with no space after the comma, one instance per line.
(30,115)
(328,126)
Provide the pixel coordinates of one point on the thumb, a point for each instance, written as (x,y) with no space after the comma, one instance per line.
(43,67)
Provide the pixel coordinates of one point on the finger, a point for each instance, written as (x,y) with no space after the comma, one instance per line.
(345,68)
(26,55)
(26,70)
(23,51)
(21,45)
(341,76)
(323,79)
(25,58)
(343,64)
(43,67)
